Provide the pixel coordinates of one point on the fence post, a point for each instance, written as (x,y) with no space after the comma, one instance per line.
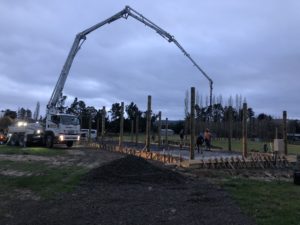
(121,126)
(136,128)
(192,124)
(166,133)
(131,130)
(159,129)
(98,121)
(285,132)
(103,114)
(245,150)
(229,127)
(148,128)
(90,127)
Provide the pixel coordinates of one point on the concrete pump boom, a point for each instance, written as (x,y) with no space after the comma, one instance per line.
(81,37)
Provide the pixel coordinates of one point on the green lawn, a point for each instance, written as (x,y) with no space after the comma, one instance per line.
(43,179)
(236,145)
(40,178)
(42,151)
(270,203)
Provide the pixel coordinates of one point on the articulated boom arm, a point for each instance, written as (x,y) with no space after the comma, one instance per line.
(81,37)
(170,38)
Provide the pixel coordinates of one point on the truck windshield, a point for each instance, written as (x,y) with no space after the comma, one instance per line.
(69,120)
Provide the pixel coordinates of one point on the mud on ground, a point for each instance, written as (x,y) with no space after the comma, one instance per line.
(128,190)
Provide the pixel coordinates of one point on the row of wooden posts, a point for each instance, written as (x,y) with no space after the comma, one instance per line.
(148,126)
(244,128)
(191,124)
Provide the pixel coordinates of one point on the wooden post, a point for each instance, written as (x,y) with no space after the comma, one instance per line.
(136,128)
(90,127)
(245,150)
(285,132)
(192,124)
(148,125)
(98,126)
(131,130)
(121,126)
(166,133)
(229,127)
(103,123)
(159,129)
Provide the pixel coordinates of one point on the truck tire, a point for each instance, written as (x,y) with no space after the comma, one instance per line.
(13,140)
(69,144)
(28,140)
(49,141)
(22,141)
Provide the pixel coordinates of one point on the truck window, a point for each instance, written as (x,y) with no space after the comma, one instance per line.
(55,119)
(69,120)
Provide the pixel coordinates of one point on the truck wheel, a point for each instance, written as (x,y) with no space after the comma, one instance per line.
(21,141)
(49,141)
(69,144)
(13,140)
(28,140)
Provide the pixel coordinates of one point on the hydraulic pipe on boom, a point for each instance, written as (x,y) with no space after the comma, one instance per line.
(170,38)
(81,37)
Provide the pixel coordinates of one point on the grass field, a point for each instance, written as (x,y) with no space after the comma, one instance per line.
(16,150)
(236,145)
(37,176)
(270,203)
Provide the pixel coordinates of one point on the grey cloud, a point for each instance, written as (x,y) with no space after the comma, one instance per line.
(249,48)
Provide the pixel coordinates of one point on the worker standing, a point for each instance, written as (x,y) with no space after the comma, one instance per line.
(199,143)
(207,139)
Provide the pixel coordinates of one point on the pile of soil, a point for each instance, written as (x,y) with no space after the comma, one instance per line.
(130,191)
(132,169)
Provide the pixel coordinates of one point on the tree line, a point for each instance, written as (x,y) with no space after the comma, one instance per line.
(216,117)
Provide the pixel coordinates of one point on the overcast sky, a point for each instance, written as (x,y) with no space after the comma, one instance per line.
(250,48)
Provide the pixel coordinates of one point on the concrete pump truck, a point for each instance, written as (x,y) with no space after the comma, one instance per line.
(65,128)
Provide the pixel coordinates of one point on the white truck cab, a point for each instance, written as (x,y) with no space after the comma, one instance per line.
(61,128)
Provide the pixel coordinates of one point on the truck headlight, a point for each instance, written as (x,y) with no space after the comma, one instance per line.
(38,131)
(21,123)
(78,138)
(61,137)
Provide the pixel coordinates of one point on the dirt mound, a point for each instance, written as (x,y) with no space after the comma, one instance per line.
(132,169)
